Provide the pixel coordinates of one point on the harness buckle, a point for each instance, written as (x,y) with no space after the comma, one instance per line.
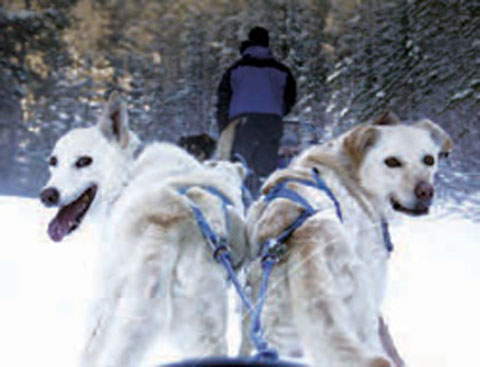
(221,247)
(274,249)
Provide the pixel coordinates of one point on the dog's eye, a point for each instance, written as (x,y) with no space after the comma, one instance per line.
(83,162)
(393,162)
(429,160)
(52,161)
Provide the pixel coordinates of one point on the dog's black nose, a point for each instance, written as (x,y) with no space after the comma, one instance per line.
(424,191)
(50,196)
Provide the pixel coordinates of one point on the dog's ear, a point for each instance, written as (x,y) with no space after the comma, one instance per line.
(439,136)
(387,118)
(114,122)
(358,141)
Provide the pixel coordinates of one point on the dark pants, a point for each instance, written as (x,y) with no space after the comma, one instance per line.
(257,140)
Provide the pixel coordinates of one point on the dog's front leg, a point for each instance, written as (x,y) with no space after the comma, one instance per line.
(140,313)
(101,317)
(324,287)
(388,344)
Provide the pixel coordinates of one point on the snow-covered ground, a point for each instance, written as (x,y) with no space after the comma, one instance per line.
(432,305)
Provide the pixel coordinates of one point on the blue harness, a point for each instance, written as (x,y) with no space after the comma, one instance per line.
(273,250)
(282,191)
(222,254)
(270,252)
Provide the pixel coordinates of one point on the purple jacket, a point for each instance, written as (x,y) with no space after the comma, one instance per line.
(256,84)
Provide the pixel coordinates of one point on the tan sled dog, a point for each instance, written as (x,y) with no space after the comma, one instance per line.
(157,273)
(325,293)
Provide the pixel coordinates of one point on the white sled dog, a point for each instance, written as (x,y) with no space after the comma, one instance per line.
(158,275)
(325,293)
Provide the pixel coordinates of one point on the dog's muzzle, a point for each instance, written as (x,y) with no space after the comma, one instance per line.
(69,216)
(424,193)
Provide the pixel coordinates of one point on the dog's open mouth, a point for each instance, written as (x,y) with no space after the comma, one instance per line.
(421,208)
(70,216)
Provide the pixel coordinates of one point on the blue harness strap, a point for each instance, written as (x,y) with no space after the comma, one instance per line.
(212,190)
(272,251)
(256,329)
(387,239)
(221,253)
(282,191)
(323,186)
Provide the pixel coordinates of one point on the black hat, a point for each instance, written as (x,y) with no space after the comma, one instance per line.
(259,36)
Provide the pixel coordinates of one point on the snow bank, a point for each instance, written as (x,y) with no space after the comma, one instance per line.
(43,287)
(432,303)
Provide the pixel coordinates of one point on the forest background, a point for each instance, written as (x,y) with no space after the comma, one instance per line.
(352,59)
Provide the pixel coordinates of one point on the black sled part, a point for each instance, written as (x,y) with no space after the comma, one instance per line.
(231,362)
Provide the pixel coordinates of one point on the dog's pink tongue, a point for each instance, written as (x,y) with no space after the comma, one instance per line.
(61,225)
(56,230)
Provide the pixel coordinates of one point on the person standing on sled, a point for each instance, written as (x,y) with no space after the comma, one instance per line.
(253,96)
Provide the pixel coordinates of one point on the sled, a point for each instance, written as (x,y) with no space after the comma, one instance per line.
(231,362)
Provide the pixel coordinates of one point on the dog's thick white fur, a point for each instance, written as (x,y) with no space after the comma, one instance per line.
(325,295)
(158,275)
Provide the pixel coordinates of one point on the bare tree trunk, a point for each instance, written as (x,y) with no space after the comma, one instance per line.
(10,119)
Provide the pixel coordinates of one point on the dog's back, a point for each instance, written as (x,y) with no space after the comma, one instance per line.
(157,271)
(162,262)
(326,292)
